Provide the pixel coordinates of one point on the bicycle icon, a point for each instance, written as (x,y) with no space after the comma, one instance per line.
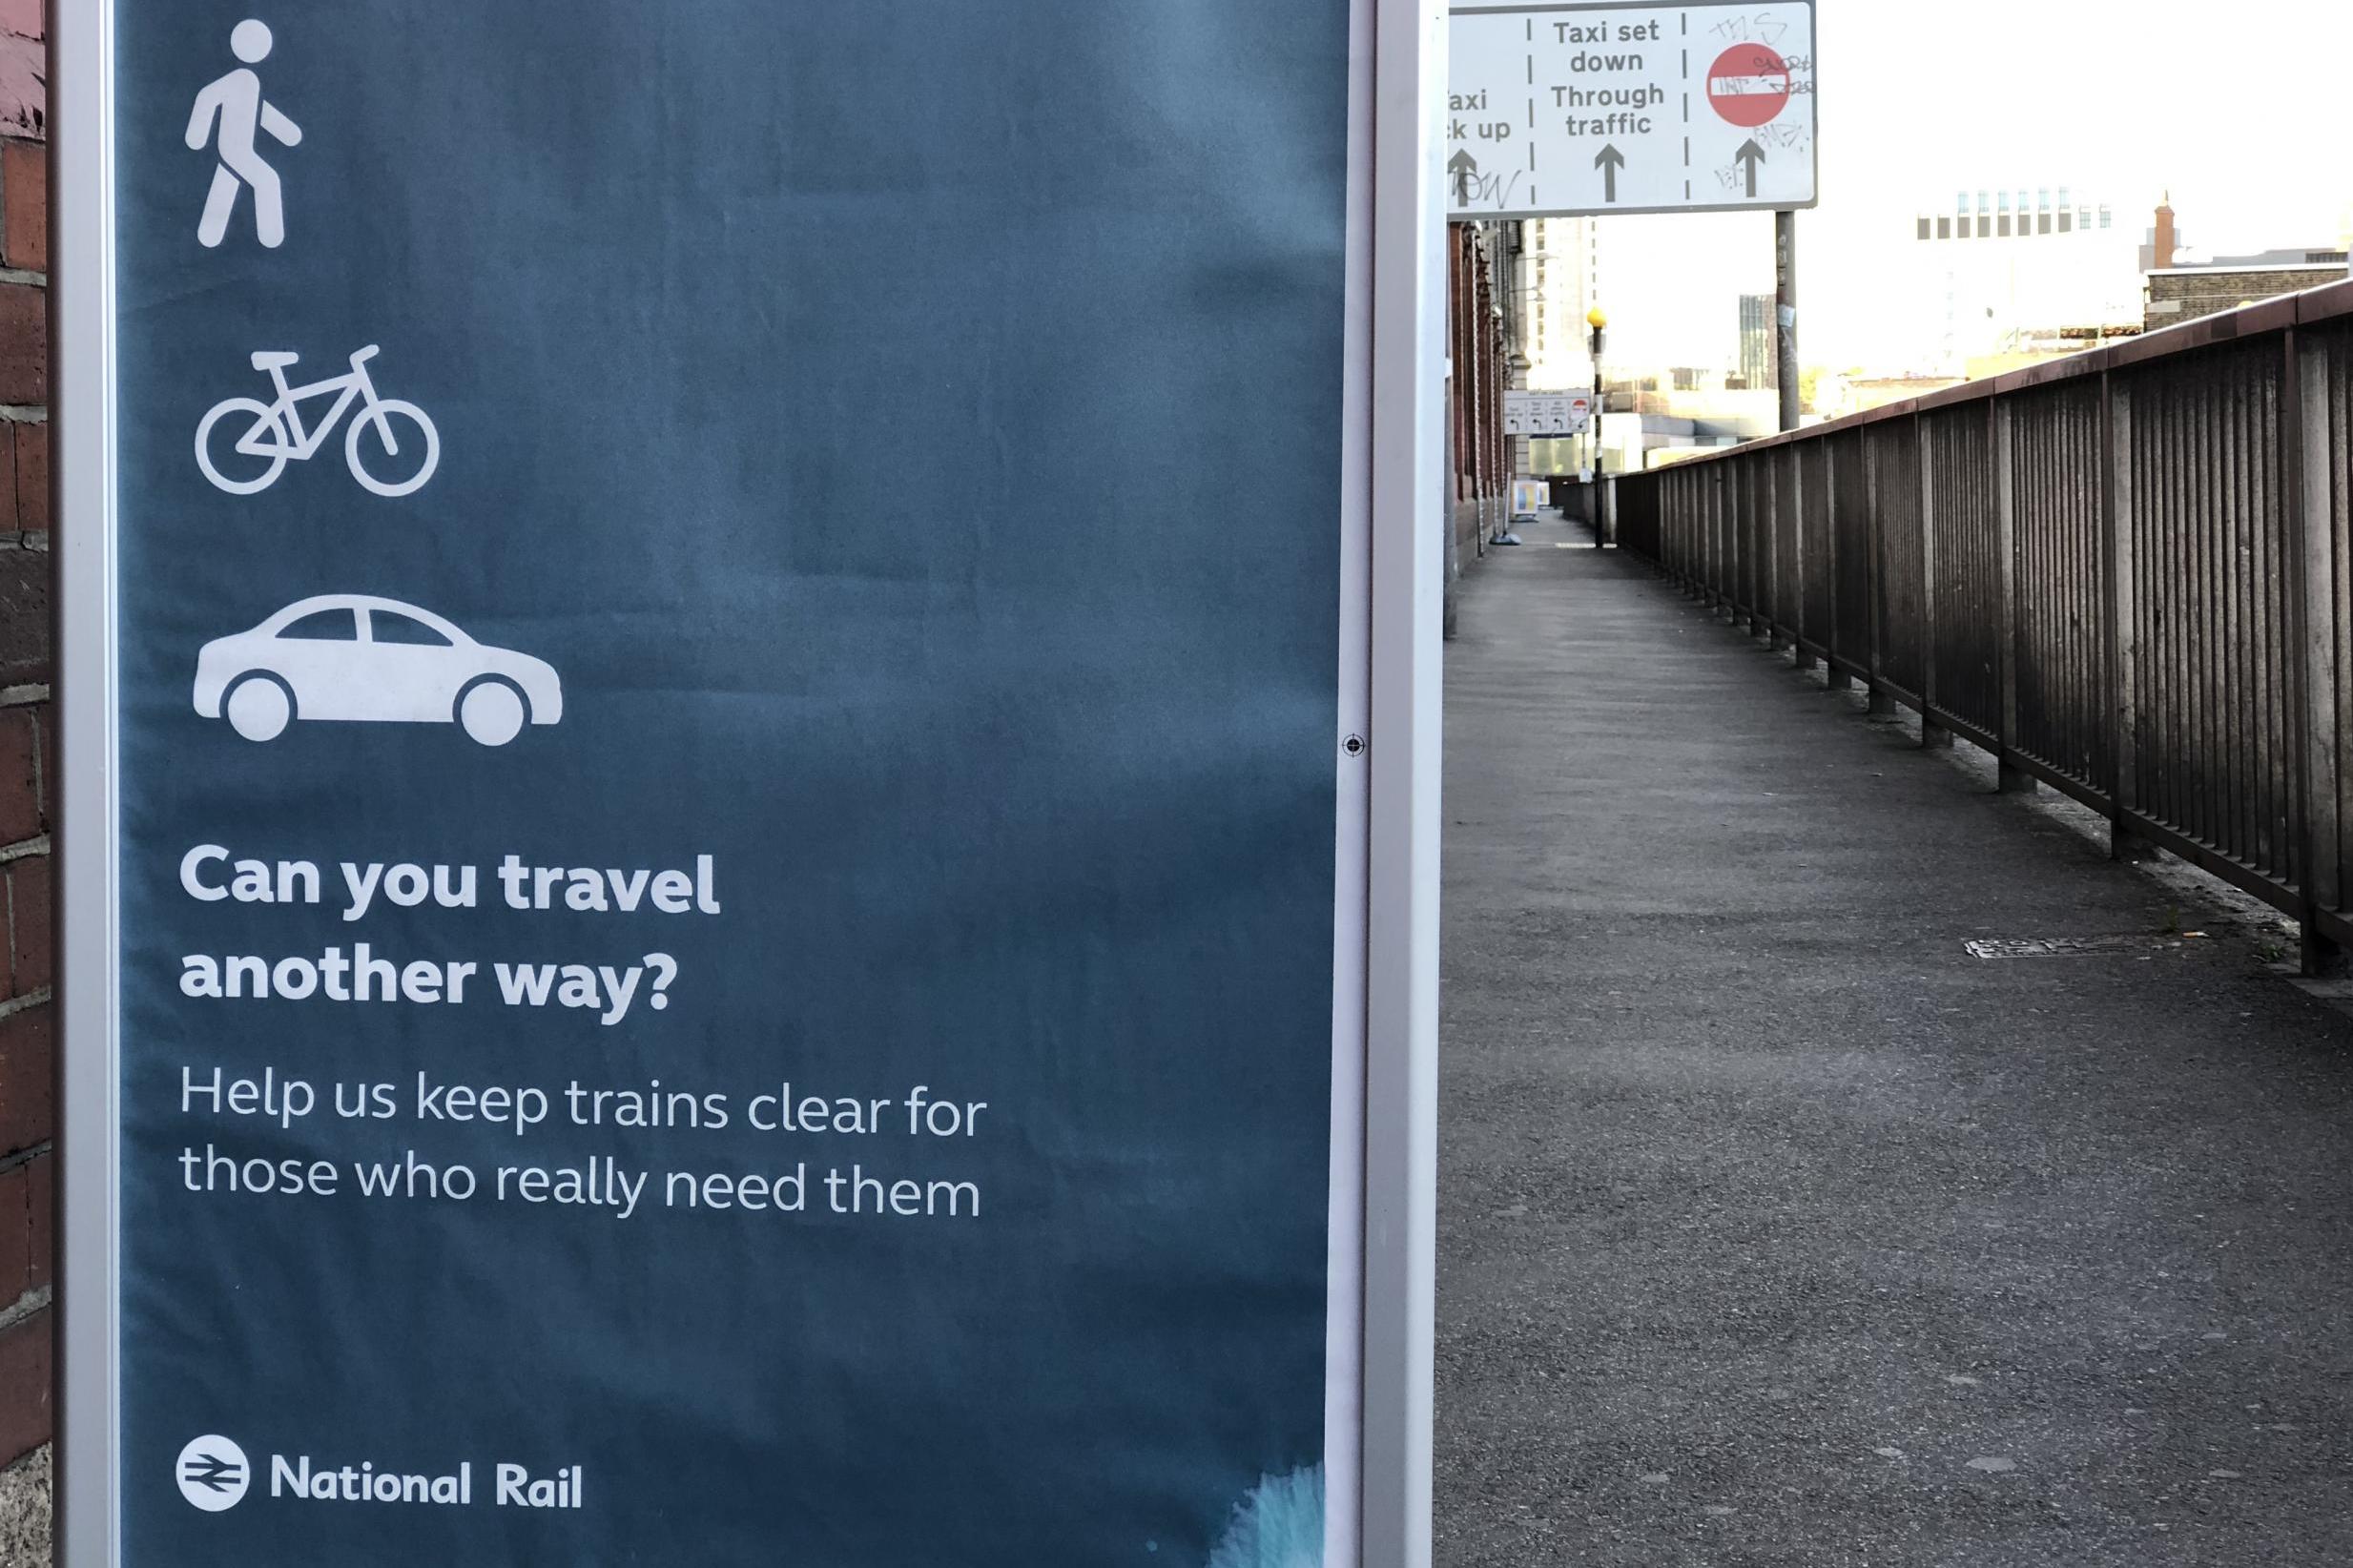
(273,433)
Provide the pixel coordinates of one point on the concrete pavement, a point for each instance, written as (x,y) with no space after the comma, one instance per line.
(1778,1228)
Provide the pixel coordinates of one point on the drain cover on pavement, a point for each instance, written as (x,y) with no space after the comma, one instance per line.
(2074,947)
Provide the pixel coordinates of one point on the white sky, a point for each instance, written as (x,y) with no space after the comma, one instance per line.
(2236,109)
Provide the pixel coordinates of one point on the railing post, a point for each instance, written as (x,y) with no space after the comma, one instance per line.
(1833,568)
(2123,655)
(1720,539)
(1677,488)
(1759,557)
(1881,704)
(1933,736)
(2014,779)
(1672,488)
(1663,489)
(2310,435)
(1789,533)
(1711,486)
(1799,575)
(1698,483)
(1728,542)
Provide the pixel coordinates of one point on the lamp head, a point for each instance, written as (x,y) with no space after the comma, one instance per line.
(1596,318)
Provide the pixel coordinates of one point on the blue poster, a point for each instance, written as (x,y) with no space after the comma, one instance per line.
(728,656)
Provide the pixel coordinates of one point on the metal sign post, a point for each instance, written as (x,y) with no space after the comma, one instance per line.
(615,1009)
(1786,315)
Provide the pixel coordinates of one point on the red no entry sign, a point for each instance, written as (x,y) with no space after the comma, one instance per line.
(1749,85)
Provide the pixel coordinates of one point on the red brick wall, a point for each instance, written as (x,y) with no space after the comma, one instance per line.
(27,741)
(2174,297)
(1475,341)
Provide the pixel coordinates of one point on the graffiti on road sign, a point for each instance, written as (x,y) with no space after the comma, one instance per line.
(1630,108)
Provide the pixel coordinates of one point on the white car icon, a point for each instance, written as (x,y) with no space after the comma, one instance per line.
(352,657)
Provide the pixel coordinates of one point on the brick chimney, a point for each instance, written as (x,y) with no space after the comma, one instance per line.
(2168,238)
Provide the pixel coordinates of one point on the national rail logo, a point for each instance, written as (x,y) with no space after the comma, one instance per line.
(214,1474)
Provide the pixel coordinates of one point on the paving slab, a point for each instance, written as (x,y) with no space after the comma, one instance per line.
(1778,1227)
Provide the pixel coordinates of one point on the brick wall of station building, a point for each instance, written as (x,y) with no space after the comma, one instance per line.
(2186,294)
(1482,480)
(27,782)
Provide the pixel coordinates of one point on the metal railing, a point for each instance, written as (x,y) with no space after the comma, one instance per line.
(2127,574)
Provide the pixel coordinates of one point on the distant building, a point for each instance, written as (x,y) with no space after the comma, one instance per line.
(2184,286)
(1840,396)
(2164,242)
(1659,415)
(2021,214)
(2169,249)
(1560,282)
(2043,346)
(1757,336)
(2001,267)
(2185,294)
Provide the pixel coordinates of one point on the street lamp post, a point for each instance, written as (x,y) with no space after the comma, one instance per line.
(1523,462)
(1599,319)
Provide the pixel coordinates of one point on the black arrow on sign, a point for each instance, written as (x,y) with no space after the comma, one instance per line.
(1461,166)
(1609,160)
(1751,155)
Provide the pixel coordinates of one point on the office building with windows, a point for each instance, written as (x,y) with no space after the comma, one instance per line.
(1757,341)
(1559,277)
(2002,266)
(2027,212)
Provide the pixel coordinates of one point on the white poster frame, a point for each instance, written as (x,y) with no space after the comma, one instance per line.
(1385,1013)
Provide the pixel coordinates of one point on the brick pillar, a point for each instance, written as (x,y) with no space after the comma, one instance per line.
(28,773)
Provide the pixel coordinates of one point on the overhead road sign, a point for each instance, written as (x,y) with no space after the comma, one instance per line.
(1576,110)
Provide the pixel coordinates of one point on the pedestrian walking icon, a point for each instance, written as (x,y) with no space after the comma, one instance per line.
(229,114)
